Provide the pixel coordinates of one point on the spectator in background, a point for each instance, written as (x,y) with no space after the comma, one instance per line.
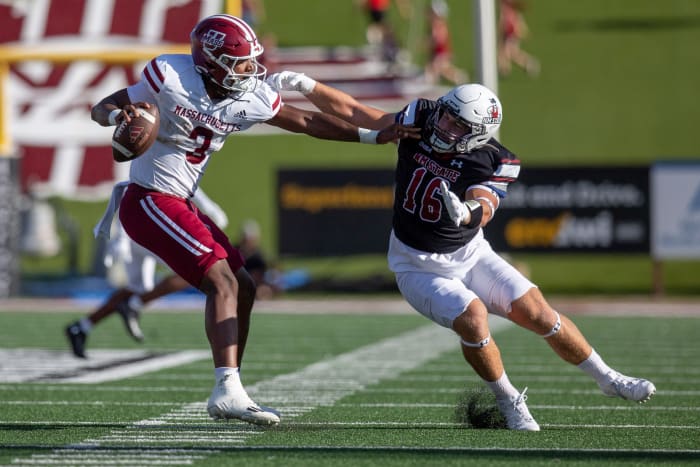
(140,289)
(255,262)
(379,32)
(512,30)
(440,63)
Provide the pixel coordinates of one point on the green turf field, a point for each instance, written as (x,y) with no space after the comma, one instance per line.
(363,390)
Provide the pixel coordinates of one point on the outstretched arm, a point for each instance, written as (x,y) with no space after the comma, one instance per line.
(331,100)
(325,126)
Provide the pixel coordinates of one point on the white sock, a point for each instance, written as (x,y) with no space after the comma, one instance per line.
(502,387)
(596,367)
(85,325)
(222,371)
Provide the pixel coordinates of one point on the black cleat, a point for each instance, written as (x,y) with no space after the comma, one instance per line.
(76,337)
(131,320)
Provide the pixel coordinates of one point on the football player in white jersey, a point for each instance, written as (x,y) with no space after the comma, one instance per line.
(202,98)
(448,186)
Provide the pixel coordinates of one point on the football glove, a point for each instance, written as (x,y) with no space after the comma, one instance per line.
(468,212)
(291,81)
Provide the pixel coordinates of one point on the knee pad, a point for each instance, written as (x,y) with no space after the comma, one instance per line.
(555,329)
(477,345)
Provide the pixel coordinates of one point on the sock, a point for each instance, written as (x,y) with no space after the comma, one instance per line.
(222,371)
(85,325)
(502,387)
(596,367)
(135,302)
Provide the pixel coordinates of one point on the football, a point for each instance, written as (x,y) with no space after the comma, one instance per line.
(132,139)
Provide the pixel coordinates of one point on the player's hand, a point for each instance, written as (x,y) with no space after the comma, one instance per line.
(458,211)
(396,131)
(291,81)
(128,111)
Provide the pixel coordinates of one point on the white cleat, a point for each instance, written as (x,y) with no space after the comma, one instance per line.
(626,387)
(517,415)
(229,400)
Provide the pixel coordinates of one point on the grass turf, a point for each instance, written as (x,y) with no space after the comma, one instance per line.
(402,420)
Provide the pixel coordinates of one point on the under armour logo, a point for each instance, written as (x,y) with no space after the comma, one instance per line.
(456,163)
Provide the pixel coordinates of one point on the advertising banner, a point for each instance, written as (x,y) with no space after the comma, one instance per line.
(675,212)
(332,212)
(574,210)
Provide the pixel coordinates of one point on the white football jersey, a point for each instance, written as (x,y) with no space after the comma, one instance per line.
(192,126)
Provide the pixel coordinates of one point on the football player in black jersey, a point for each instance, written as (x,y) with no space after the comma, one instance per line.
(450,177)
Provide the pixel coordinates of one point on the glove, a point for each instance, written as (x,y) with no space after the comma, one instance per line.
(291,81)
(468,212)
(455,207)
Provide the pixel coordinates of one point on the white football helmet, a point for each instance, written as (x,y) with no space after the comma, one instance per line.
(464,120)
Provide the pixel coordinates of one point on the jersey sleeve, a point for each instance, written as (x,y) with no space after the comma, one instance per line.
(153,74)
(506,171)
(265,105)
(152,79)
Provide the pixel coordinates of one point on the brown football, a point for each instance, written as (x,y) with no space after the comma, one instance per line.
(131,139)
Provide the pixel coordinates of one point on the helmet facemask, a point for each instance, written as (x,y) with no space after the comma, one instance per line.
(464,120)
(451,133)
(221,70)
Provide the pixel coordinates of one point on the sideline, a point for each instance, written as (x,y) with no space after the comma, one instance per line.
(362,304)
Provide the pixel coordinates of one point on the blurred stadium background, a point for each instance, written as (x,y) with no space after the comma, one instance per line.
(617,93)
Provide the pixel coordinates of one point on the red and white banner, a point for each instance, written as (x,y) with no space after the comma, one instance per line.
(62,151)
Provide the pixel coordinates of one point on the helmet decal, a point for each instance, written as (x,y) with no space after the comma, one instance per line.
(214,39)
(494,114)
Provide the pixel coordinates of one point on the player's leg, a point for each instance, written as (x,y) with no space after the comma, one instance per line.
(169,284)
(78,331)
(172,230)
(532,312)
(140,271)
(513,296)
(450,304)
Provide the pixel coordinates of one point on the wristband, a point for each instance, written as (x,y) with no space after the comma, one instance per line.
(477,212)
(112,117)
(367,136)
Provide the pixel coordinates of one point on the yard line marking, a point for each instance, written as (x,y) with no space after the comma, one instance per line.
(32,365)
(319,384)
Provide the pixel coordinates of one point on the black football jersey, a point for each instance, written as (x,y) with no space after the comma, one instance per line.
(420,219)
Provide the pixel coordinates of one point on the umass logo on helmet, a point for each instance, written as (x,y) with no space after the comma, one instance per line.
(214,39)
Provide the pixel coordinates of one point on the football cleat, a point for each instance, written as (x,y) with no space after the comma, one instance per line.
(626,387)
(131,320)
(229,400)
(76,338)
(516,413)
